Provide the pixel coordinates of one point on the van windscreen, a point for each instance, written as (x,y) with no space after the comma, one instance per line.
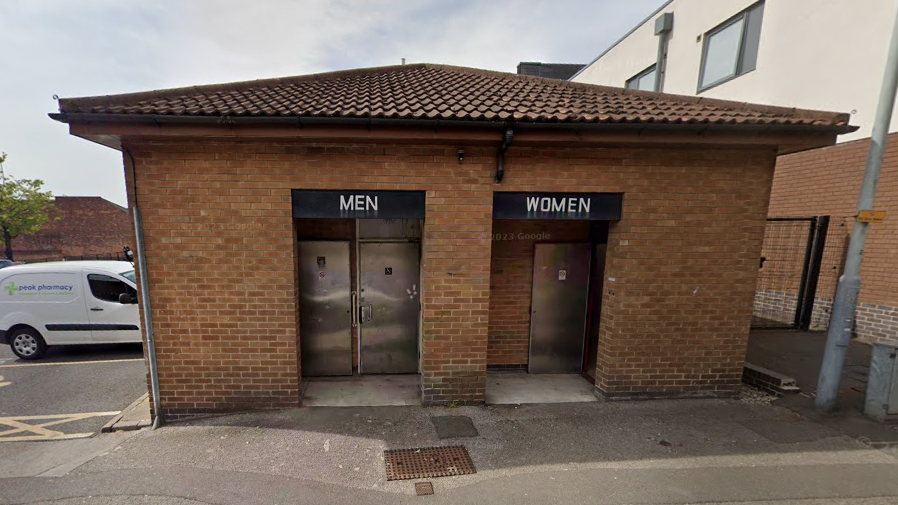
(129,275)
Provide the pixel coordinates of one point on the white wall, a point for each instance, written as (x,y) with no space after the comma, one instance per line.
(813,54)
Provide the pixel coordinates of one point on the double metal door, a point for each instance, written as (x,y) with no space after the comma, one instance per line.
(558,310)
(325,310)
(389,304)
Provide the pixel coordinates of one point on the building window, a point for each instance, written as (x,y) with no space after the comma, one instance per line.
(644,80)
(731,49)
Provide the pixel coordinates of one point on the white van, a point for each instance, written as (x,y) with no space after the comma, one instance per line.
(64,303)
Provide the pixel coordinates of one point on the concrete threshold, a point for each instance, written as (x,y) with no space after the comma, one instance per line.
(506,388)
(134,417)
(362,391)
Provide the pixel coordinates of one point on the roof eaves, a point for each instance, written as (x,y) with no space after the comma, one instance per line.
(151,119)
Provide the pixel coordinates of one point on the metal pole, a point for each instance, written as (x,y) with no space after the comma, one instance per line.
(845,305)
(147,317)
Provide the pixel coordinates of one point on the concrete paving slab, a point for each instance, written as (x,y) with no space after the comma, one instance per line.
(363,391)
(454,426)
(134,417)
(520,388)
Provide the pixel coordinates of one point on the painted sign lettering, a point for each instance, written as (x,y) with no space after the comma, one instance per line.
(548,204)
(358,204)
(583,206)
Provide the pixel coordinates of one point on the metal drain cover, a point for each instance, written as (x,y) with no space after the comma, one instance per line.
(423,488)
(403,464)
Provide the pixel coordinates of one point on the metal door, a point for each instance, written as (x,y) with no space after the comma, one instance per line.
(388,307)
(558,307)
(325,310)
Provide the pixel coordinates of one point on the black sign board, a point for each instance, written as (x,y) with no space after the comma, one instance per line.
(586,206)
(358,204)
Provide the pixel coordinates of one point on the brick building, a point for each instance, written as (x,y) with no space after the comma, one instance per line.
(78,226)
(827,181)
(445,221)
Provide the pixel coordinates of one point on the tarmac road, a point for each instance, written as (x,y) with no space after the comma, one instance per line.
(75,388)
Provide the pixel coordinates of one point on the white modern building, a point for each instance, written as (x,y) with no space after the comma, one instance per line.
(816,54)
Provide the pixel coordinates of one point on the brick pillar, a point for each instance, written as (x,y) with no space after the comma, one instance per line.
(456,260)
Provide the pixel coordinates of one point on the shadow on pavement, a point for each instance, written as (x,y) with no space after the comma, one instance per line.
(89,352)
(550,434)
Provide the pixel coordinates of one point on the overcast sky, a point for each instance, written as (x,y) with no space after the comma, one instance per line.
(98,47)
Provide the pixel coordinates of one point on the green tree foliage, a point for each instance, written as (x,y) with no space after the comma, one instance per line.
(24,208)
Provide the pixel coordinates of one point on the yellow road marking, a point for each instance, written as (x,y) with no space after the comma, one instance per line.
(34,438)
(39,431)
(72,363)
(7,383)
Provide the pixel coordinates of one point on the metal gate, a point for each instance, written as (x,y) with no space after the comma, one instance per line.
(789,272)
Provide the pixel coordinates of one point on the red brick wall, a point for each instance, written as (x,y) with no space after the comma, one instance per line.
(827,182)
(511,282)
(675,321)
(79,225)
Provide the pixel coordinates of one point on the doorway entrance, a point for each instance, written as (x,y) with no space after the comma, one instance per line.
(389,303)
(359,298)
(559,307)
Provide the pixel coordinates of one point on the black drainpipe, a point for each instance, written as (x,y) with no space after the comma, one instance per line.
(500,161)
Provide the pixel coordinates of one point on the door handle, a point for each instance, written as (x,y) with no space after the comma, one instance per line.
(96,309)
(353,303)
(370,311)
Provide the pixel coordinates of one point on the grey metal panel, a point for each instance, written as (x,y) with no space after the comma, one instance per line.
(389,228)
(390,301)
(325,310)
(597,280)
(558,310)
(881,402)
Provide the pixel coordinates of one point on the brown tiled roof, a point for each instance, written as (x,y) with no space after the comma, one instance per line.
(440,92)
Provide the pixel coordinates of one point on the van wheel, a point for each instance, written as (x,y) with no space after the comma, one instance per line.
(27,343)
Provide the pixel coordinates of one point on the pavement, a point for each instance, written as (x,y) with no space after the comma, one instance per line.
(757,450)
(71,393)
(670,451)
(799,354)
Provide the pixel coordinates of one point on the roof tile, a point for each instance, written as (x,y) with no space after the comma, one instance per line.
(426,91)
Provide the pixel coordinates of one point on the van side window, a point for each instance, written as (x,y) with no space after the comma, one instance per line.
(107,288)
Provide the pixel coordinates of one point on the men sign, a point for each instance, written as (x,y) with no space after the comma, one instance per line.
(358,204)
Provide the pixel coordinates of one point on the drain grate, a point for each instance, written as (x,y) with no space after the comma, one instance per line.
(403,464)
(423,488)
